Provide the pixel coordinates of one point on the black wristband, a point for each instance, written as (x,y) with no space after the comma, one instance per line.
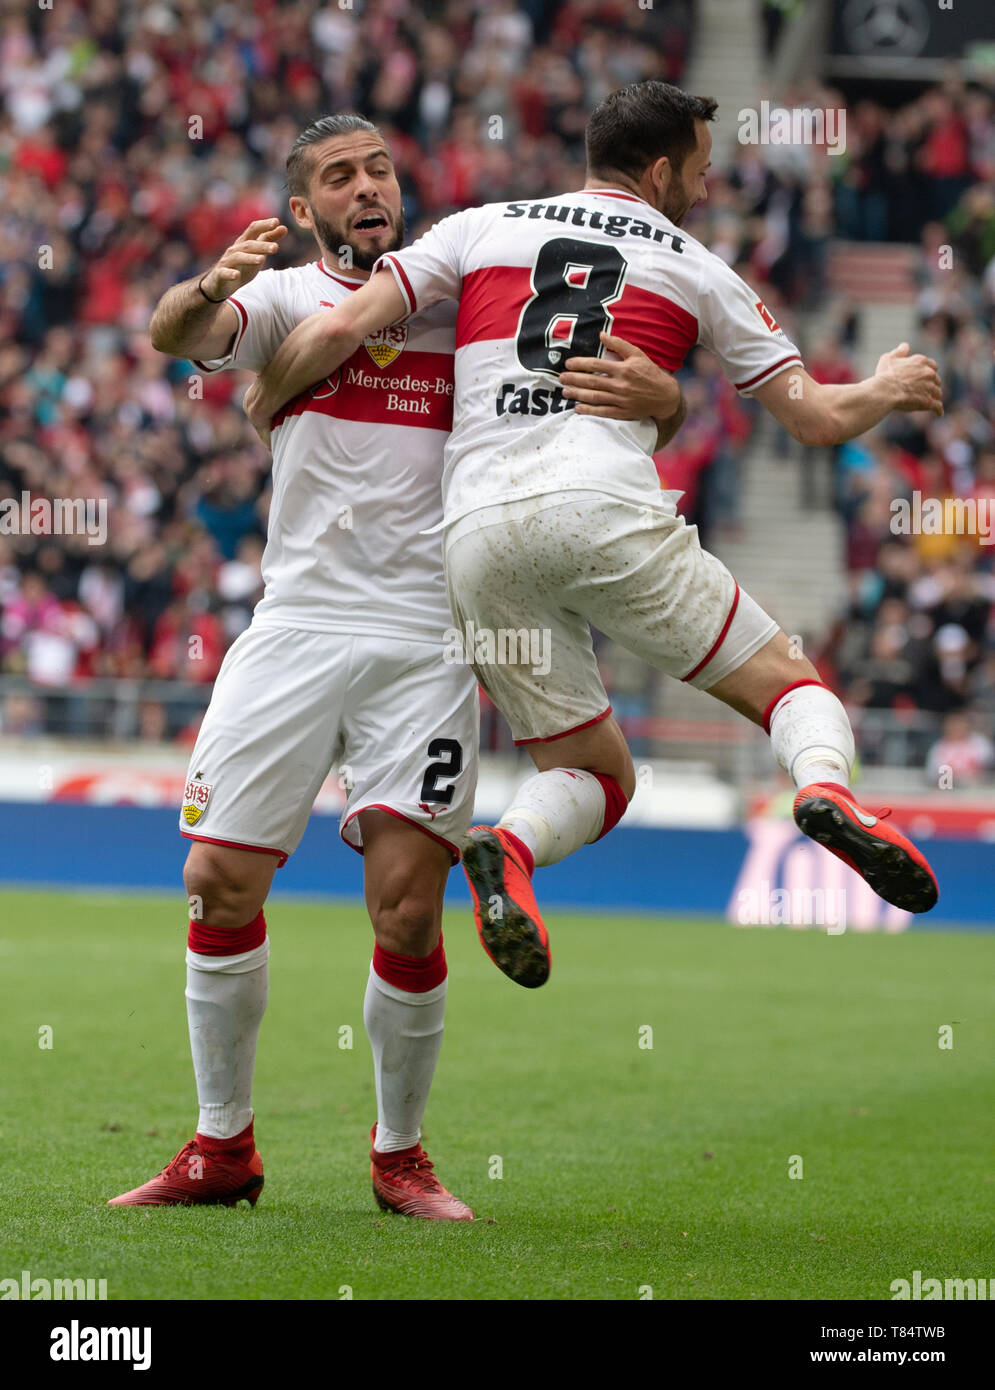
(200,286)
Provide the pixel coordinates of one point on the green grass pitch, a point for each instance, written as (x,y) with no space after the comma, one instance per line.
(624,1168)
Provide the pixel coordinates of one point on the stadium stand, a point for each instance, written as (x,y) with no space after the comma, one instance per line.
(137,141)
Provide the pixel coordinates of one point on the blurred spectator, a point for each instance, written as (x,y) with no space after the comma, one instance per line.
(962,756)
(136,141)
(21,716)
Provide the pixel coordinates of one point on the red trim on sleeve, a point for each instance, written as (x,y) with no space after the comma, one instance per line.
(239,335)
(780,696)
(415,975)
(768,371)
(405,282)
(226,941)
(236,844)
(718,641)
(521,742)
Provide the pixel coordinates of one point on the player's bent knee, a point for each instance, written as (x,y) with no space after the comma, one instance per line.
(627,781)
(226,887)
(408,927)
(750,688)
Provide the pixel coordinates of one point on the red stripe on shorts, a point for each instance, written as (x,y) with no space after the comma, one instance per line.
(718,641)
(236,844)
(446,844)
(551,738)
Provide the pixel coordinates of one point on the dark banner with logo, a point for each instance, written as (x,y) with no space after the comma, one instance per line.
(911,29)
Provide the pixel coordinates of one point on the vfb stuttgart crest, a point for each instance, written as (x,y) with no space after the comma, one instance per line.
(389,343)
(196,795)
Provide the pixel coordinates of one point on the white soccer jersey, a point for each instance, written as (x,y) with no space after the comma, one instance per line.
(356,466)
(537,282)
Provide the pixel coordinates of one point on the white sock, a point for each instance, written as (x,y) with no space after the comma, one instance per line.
(405,1033)
(811,737)
(556,812)
(226,1000)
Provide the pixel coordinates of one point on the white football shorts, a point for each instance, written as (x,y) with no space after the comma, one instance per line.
(398,723)
(526,579)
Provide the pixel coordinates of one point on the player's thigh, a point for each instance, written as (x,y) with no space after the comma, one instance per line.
(411,732)
(226,886)
(404,877)
(532,655)
(268,740)
(751,687)
(600,748)
(648,584)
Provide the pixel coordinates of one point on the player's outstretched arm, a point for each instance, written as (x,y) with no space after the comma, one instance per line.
(826,415)
(185,324)
(632,388)
(319,345)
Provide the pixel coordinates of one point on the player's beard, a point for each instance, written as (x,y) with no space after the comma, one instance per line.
(332,239)
(677,202)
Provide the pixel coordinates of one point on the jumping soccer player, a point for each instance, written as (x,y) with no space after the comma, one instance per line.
(343,664)
(554,520)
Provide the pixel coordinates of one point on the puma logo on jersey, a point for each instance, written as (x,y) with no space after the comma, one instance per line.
(525,400)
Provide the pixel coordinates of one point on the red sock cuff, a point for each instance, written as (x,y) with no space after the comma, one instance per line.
(226,941)
(244,1140)
(616,802)
(414,974)
(522,850)
(837,787)
(780,696)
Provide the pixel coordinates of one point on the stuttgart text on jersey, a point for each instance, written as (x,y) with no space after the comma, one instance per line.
(613,225)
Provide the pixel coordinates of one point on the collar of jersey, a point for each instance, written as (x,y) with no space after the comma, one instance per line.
(349,284)
(617,193)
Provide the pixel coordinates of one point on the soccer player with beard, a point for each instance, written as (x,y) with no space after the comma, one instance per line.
(343,664)
(555,521)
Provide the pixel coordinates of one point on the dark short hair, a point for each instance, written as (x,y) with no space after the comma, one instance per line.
(299,158)
(638,124)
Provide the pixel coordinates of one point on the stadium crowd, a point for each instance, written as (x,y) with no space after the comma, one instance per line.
(136,142)
(919,630)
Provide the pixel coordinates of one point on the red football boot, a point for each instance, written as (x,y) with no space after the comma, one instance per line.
(404,1182)
(204,1173)
(510,928)
(883,857)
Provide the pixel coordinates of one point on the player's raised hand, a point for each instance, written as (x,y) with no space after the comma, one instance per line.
(244,258)
(916,379)
(627,387)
